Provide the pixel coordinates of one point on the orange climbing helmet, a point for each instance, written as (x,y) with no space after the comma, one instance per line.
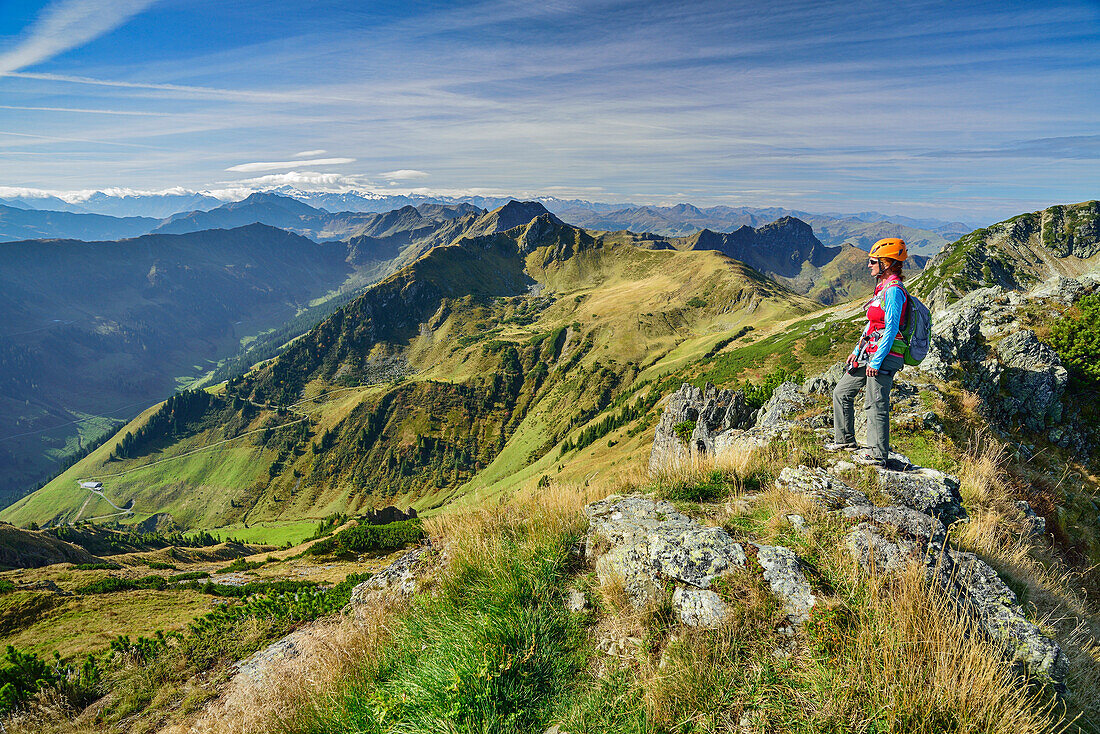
(891,247)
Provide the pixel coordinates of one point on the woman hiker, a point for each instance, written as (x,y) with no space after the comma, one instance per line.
(875,360)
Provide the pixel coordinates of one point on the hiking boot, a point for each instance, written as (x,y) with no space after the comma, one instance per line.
(847,446)
(866,458)
(897,464)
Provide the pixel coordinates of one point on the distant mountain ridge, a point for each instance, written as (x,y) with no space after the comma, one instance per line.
(26,224)
(273,210)
(831,229)
(682,219)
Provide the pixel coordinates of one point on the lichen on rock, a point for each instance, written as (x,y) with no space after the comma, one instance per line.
(890,538)
(647,543)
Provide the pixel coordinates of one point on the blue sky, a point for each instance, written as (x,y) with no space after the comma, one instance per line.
(954,110)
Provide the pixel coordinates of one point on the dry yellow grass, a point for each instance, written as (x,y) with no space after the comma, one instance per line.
(328,652)
(919,657)
(1053,592)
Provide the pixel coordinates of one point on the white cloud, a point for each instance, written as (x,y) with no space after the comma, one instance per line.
(67,24)
(308,180)
(403,174)
(276,165)
(310,153)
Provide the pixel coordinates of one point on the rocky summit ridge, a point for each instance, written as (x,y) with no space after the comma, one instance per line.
(651,541)
(1016,254)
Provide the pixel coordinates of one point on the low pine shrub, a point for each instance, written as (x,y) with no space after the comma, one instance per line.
(21,675)
(683,430)
(113,583)
(1076,336)
(99,566)
(366,538)
(712,487)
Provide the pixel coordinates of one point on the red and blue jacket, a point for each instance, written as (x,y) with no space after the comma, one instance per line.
(884,312)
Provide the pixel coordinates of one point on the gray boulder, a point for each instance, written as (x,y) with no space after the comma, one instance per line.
(647,543)
(925,490)
(825,489)
(668,448)
(889,538)
(787,582)
(1034,380)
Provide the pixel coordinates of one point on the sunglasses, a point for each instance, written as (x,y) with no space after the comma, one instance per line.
(874,262)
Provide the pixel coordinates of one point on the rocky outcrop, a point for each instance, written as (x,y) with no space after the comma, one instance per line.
(1034,380)
(887,539)
(388,514)
(1072,231)
(1020,379)
(645,544)
(719,419)
(694,422)
(400,577)
(925,490)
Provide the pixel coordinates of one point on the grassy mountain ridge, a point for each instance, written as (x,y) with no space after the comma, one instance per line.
(106,327)
(537,323)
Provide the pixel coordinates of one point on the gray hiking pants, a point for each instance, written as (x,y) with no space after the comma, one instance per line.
(876,405)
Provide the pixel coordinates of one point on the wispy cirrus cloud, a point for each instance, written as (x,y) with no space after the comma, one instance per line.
(68,24)
(1071,147)
(276,165)
(85,110)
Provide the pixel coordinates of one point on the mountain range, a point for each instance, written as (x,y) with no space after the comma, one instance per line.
(98,329)
(925,236)
(463,371)
(109,326)
(497,326)
(123,323)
